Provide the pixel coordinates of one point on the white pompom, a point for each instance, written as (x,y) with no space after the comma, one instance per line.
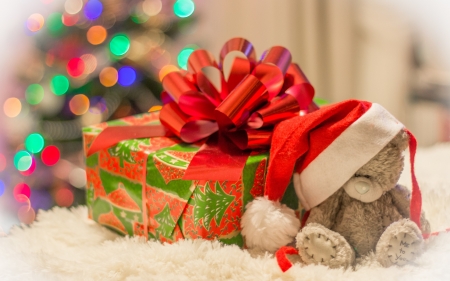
(268,225)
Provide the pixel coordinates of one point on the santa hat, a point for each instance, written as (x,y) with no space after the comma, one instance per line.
(321,150)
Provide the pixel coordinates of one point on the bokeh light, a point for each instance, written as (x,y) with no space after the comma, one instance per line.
(34,94)
(183,57)
(119,45)
(166,70)
(70,20)
(2,187)
(35,22)
(90,63)
(75,67)
(98,104)
(2,162)
(77,177)
(22,192)
(96,34)
(31,169)
(54,22)
(93,9)
(12,107)
(183,8)
(34,143)
(73,6)
(26,214)
(59,85)
(22,160)
(108,76)
(50,155)
(79,104)
(152,7)
(127,76)
(64,197)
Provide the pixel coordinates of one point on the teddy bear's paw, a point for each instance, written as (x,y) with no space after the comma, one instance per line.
(319,245)
(400,243)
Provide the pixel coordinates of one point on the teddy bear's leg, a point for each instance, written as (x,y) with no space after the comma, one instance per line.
(400,243)
(319,245)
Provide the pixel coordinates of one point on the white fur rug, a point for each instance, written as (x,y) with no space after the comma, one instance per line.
(64,245)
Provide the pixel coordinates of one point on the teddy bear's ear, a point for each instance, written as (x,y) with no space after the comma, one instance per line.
(401,140)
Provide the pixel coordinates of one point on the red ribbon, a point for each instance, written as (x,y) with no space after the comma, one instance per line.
(238,100)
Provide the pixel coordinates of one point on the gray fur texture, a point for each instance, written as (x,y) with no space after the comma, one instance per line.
(361,225)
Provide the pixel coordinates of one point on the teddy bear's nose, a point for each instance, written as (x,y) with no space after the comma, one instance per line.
(362,187)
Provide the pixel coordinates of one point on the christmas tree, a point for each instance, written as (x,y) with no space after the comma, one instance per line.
(93,61)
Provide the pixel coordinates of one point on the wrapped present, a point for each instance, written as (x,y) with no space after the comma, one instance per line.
(188,170)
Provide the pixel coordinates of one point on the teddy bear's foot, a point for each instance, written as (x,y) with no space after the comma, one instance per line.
(399,244)
(319,245)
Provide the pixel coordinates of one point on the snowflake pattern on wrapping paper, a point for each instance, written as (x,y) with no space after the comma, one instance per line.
(259,181)
(110,220)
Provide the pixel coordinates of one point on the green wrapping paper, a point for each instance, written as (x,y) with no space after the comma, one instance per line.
(136,188)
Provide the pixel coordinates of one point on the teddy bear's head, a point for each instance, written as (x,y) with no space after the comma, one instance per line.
(381,173)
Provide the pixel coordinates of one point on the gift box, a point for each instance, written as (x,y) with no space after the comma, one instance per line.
(136,188)
(188,170)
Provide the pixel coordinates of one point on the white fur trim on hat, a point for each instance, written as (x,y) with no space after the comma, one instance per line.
(268,225)
(351,150)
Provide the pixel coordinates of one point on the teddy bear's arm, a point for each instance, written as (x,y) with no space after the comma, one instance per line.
(401,198)
(326,212)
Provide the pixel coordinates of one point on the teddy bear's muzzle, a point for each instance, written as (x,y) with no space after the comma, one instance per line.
(363,189)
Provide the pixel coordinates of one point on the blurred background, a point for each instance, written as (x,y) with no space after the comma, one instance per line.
(66,64)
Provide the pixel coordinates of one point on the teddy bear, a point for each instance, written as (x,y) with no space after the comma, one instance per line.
(344,161)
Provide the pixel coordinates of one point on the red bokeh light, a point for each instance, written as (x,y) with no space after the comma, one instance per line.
(2,162)
(31,169)
(50,155)
(22,192)
(75,67)
(69,20)
(64,197)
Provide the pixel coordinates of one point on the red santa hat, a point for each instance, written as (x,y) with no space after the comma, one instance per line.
(321,151)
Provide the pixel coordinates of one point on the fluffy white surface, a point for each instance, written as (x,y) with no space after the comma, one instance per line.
(268,225)
(64,245)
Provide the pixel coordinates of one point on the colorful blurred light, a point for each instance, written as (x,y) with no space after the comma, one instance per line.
(108,76)
(93,9)
(127,76)
(70,20)
(31,169)
(54,22)
(34,143)
(166,70)
(26,214)
(12,107)
(183,57)
(23,160)
(64,197)
(119,45)
(73,6)
(50,155)
(2,187)
(152,7)
(98,104)
(96,34)
(75,67)
(90,63)
(183,8)
(35,22)
(22,192)
(77,177)
(2,162)
(34,94)
(79,104)
(59,85)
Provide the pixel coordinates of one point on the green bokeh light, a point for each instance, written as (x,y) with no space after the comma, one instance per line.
(34,94)
(59,85)
(54,22)
(183,57)
(183,8)
(34,143)
(119,45)
(23,160)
